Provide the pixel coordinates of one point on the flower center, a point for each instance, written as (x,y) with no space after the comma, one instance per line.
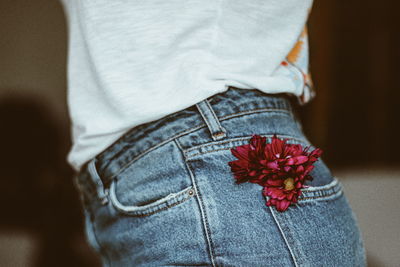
(289,183)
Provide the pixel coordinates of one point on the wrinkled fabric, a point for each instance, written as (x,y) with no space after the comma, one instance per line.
(132,62)
(164,194)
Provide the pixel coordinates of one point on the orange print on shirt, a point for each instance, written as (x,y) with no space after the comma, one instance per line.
(296,50)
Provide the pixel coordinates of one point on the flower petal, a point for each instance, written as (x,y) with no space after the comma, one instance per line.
(269,165)
(274,182)
(282,205)
(300,159)
(272,165)
(241,152)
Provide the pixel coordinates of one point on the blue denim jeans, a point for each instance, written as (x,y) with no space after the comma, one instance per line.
(164,195)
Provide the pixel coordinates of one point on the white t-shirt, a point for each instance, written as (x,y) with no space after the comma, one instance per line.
(132,62)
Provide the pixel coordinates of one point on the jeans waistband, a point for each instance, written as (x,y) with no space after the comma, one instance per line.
(207,113)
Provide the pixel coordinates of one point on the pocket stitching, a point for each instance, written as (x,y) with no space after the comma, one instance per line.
(161,204)
(236,140)
(316,193)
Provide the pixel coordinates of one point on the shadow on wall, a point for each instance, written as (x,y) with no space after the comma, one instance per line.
(37,194)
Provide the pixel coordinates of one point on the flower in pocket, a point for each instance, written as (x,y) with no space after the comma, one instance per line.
(280,168)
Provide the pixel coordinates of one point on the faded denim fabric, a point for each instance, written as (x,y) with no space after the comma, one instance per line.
(164,195)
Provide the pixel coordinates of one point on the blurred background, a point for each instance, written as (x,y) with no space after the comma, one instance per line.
(354,118)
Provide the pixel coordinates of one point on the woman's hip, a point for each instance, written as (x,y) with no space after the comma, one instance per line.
(164,194)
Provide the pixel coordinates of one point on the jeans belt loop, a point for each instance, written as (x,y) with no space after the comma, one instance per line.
(98,183)
(207,113)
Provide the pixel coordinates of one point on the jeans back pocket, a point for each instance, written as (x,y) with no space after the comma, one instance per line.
(325,192)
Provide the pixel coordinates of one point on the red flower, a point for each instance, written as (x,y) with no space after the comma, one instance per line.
(279,167)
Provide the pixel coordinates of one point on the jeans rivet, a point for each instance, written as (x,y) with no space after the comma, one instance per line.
(191,192)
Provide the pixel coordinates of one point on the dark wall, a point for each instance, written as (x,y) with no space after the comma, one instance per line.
(354,51)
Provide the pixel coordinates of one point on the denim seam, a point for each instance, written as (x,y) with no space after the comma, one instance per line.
(321,197)
(230,116)
(176,135)
(161,209)
(232,140)
(201,207)
(256,110)
(144,214)
(334,183)
(284,237)
(156,146)
(336,189)
(88,222)
(150,210)
(104,255)
(89,225)
(187,131)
